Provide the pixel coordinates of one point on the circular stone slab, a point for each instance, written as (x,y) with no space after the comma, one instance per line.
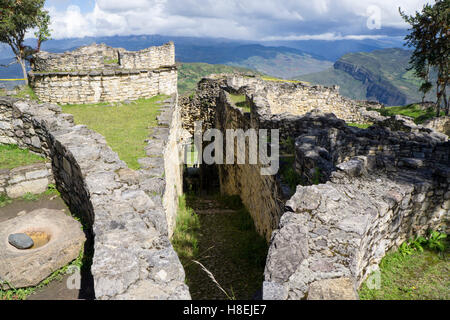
(20,241)
(27,268)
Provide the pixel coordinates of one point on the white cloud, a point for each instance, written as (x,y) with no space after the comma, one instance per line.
(249,19)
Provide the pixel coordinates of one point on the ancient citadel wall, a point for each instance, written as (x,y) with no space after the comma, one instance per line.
(123,211)
(102,74)
(377,187)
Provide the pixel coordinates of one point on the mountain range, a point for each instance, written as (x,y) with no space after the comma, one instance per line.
(364,69)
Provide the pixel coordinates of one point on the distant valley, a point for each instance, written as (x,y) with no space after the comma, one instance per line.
(380,75)
(376,73)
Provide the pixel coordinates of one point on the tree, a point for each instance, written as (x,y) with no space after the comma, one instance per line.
(429,37)
(17,17)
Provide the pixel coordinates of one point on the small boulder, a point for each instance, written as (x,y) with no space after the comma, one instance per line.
(20,241)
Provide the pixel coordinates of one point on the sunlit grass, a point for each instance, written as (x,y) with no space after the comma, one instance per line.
(125,127)
(11,156)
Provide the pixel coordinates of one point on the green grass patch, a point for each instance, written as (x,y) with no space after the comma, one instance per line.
(359,125)
(268,78)
(111,61)
(11,156)
(25,92)
(185,238)
(189,74)
(4,200)
(240,101)
(412,110)
(125,127)
(419,270)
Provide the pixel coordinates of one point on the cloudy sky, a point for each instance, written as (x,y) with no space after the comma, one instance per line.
(234,19)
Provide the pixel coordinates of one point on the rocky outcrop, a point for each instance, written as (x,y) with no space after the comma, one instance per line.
(377,88)
(122,210)
(441,124)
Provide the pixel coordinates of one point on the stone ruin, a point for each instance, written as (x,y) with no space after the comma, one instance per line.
(99,73)
(376,187)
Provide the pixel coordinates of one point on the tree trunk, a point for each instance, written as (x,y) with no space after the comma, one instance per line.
(438,102)
(24,70)
(446,101)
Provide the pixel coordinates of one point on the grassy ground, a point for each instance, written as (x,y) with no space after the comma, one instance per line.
(219,233)
(240,101)
(359,125)
(189,74)
(12,156)
(417,275)
(26,92)
(412,110)
(268,78)
(125,127)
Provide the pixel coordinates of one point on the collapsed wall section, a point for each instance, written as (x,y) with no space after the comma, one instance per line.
(122,210)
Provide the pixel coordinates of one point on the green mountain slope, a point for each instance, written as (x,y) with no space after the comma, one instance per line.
(379,75)
(189,74)
(284,65)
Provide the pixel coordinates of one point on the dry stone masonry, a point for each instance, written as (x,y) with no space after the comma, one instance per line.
(122,210)
(99,73)
(377,187)
(34,179)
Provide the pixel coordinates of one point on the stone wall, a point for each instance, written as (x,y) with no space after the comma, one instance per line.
(34,179)
(99,73)
(151,58)
(103,86)
(377,186)
(342,229)
(405,146)
(121,209)
(259,193)
(100,57)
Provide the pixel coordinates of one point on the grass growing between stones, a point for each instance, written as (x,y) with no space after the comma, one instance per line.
(26,92)
(11,156)
(412,110)
(185,238)
(241,102)
(125,127)
(359,125)
(226,245)
(411,273)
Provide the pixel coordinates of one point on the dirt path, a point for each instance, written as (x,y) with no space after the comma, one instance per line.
(229,250)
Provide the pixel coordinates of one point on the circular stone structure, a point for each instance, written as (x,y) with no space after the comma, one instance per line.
(58,239)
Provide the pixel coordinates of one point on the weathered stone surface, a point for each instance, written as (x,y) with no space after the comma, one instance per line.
(332,289)
(20,241)
(127,211)
(24,268)
(20,189)
(367,190)
(104,74)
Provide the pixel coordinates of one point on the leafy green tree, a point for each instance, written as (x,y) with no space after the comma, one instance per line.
(429,37)
(17,17)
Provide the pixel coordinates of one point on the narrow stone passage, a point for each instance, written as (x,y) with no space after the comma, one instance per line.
(228,247)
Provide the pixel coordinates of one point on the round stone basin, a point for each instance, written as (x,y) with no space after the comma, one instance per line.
(40,238)
(58,239)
